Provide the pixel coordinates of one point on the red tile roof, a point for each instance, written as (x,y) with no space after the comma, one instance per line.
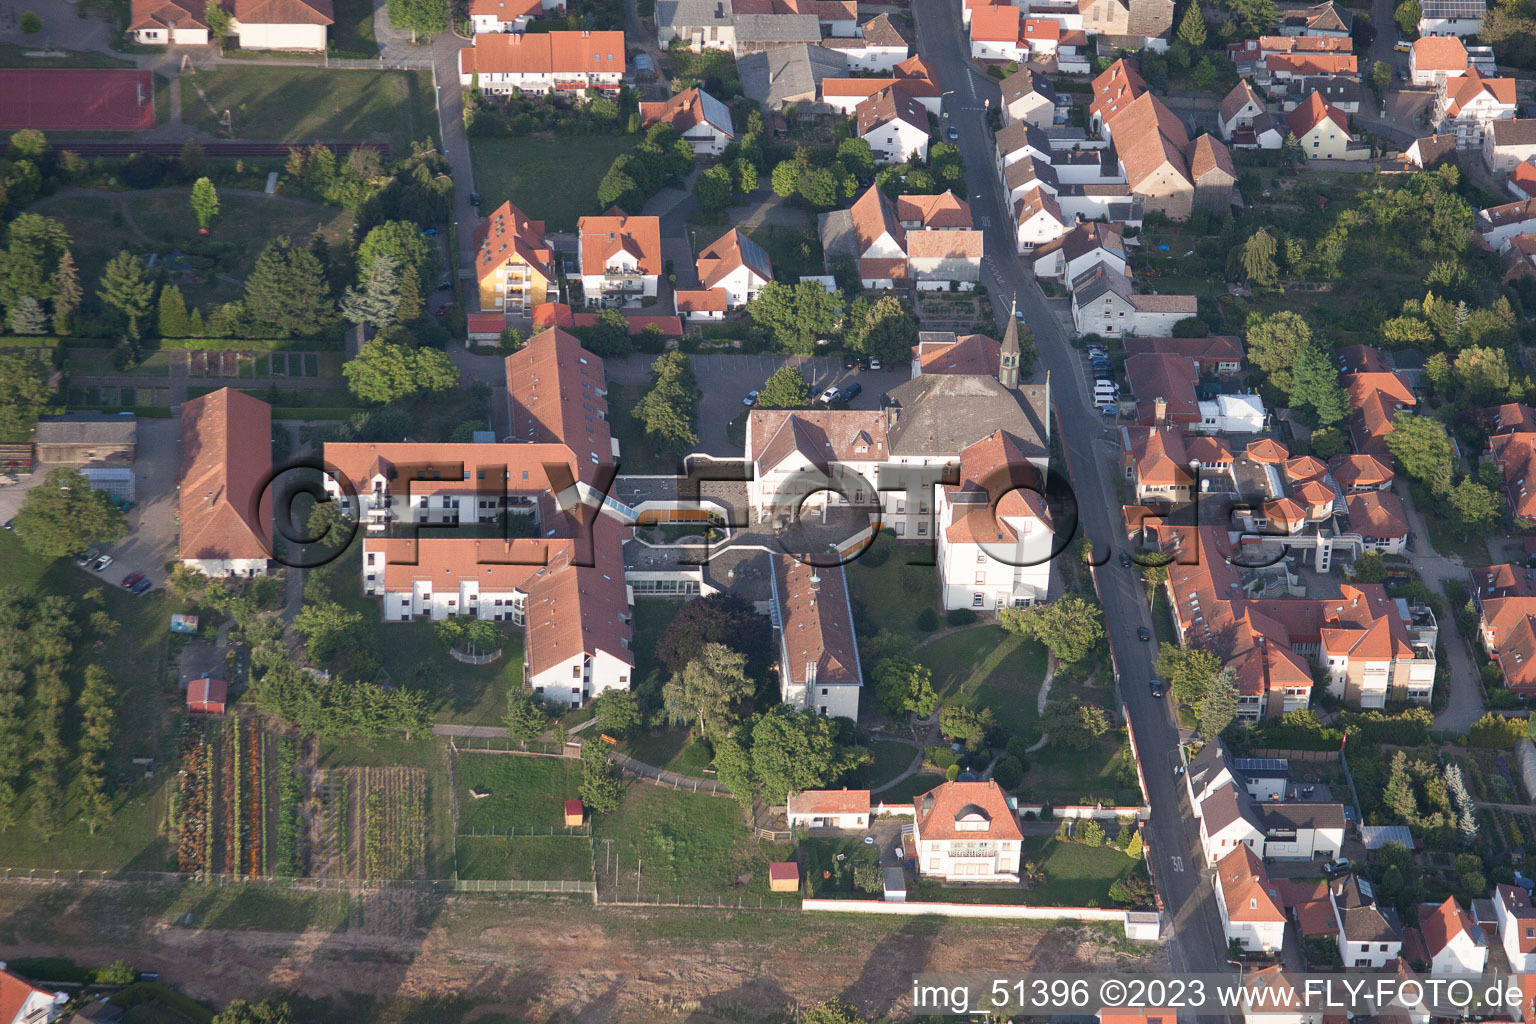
(206,695)
(1377,514)
(940,808)
(1353,472)
(164,14)
(944,210)
(14,994)
(1515,455)
(606,236)
(783,871)
(701,300)
(509,235)
(284,12)
(1170,377)
(685,111)
(1304,467)
(1312,112)
(974,354)
(815,624)
(1267,452)
(728,253)
(820,435)
(226,454)
(1441,925)
(1459,92)
(557,393)
(544,53)
(830,801)
(1246,890)
(1115,88)
(1439,53)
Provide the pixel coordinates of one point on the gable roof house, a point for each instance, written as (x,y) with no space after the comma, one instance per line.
(1028,97)
(943,250)
(224,506)
(1085,246)
(514,263)
(1500,225)
(167,23)
(1248,906)
(1516,922)
(1506,603)
(1161,165)
(946,352)
(1129,24)
(1215,355)
(1374,398)
(1455,944)
(1245,122)
(1158,460)
(1368,937)
(751,26)
(1465,106)
(1326,19)
(544,62)
(1452,17)
(1431,151)
(22,1002)
(508,15)
(966,832)
(829,808)
(878,47)
(702,24)
(914,76)
(1113,90)
(281,24)
(1433,59)
(895,125)
(1228,820)
(704,121)
(1321,129)
(818,655)
(787,74)
(620,258)
(735,264)
(1509,144)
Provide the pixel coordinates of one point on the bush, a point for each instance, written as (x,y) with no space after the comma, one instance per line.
(1090,833)
(928,620)
(1191,327)
(879,550)
(1019,751)
(1496,731)
(952,772)
(1008,773)
(959,616)
(942,757)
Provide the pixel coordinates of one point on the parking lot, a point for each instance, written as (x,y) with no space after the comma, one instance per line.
(152,528)
(726,379)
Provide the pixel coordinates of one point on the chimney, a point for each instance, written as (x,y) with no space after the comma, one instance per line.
(1160,411)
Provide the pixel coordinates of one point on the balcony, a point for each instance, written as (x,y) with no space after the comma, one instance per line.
(962,850)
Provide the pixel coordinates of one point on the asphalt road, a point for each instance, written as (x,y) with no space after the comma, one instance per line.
(1192,924)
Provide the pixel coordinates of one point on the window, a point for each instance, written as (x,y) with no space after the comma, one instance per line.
(981,578)
(823,691)
(981,557)
(922,529)
(1383,947)
(575,671)
(976,600)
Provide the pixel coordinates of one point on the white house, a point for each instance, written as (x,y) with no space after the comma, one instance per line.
(704,121)
(693,304)
(1508,144)
(967,832)
(1103,303)
(509,15)
(737,264)
(1455,943)
(1273,999)
(1028,98)
(1020,139)
(167,23)
(1080,249)
(895,125)
(1231,414)
(620,258)
(1303,831)
(1227,821)
(996,548)
(21,1002)
(1367,937)
(223,530)
(1038,218)
(1250,911)
(281,24)
(1433,59)
(1238,110)
(1452,17)
(542,62)
(829,808)
(1498,224)
(1517,926)
(878,47)
(818,653)
(1467,105)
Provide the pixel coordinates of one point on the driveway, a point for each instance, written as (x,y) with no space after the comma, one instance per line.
(152,526)
(728,378)
(63,25)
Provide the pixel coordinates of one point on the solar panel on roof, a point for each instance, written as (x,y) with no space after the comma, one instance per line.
(1261,764)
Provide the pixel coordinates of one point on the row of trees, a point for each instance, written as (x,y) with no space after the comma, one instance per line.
(668,412)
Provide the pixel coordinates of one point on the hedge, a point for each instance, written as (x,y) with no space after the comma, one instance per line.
(249,344)
(1496,731)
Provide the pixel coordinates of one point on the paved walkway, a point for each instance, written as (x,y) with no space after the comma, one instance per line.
(1465,704)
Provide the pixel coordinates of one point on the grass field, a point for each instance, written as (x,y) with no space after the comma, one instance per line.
(1058,775)
(893,595)
(829,864)
(671,749)
(891,759)
(352,31)
(100,229)
(910,787)
(135,657)
(992,668)
(685,846)
(539,858)
(281,104)
(1075,876)
(637,454)
(525,792)
(553,179)
(12,56)
(652,617)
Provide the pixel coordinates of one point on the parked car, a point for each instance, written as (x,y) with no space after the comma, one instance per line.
(874,364)
(102,562)
(430,232)
(954,133)
(474,199)
(1157,687)
(850,362)
(87,558)
(1018,315)
(829,396)
(751,399)
(852,391)
(1125,559)
(444,283)
(143,585)
(1402,46)
(1335,868)
(1143,633)
(10,524)
(131,579)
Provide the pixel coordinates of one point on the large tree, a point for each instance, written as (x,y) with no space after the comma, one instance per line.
(126,291)
(66,292)
(1274,341)
(796,315)
(600,789)
(1314,383)
(330,630)
(903,686)
(717,619)
(34,245)
(786,389)
(616,712)
(1192,26)
(376,302)
(711,691)
(526,718)
(427,17)
(386,371)
(1074,724)
(1069,627)
(403,242)
(794,750)
(205,202)
(286,292)
(1476,507)
(1189,671)
(1422,448)
(669,409)
(1218,705)
(1258,258)
(882,329)
(64,516)
(242,1012)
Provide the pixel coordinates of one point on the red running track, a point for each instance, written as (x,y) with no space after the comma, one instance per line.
(76,99)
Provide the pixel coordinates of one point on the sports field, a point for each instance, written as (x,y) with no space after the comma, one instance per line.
(76,99)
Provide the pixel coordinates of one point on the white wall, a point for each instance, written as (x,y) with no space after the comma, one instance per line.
(216,567)
(281,37)
(1460,956)
(934,860)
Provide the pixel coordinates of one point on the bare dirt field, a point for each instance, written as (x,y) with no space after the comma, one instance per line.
(519,960)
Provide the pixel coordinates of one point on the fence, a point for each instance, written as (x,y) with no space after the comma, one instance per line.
(473,659)
(524,885)
(669,779)
(49,876)
(493,745)
(527,833)
(994,910)
(1299,755)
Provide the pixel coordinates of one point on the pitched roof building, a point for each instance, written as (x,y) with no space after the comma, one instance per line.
(225,507)
(818,652)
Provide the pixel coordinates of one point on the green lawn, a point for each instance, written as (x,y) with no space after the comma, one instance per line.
(683,845)
(652,617)
(135,657)
(992,668)
(526,793)
(303,104)
(11,56)
(828,867)
(1075,876)
(891,759)
(553,179)
(1058,775)
(635,452)
(536,858)
(893,595)
(671,748)
(910,787)
(352,31)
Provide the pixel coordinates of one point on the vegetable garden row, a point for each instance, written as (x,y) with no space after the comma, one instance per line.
(374,823)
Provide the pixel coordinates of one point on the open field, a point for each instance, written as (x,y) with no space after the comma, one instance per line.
(893,595)
(550,178)
(671,749)
(273,103)
(990,667)
(1061,776)
(523,792)
(538,858)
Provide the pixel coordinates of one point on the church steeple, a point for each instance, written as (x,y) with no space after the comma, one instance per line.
(1008,368)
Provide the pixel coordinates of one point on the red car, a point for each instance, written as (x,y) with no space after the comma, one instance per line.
(131,579)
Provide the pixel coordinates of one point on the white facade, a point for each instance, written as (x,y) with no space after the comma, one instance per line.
(1461,955)
(998,574)
(1040,227)
(216,567)
(1033,108)
(882,60)
(1308,844)
(1231,414)
(1462,27)
(1501,158)
(1517,927)
(741,285)
(621,278)
(581,677)
(171,36)
(896,141)
(280,37)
